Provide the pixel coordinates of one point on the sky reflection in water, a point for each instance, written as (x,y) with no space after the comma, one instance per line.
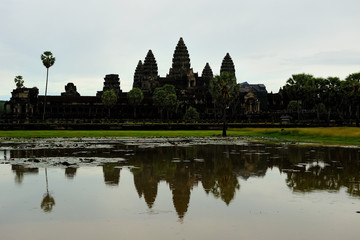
(253,191)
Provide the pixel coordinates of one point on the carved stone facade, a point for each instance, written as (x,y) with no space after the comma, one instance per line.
(23,104)
(253,98)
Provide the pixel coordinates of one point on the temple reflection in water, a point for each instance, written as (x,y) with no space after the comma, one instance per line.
(218,169)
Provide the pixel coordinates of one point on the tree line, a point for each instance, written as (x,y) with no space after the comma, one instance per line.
(335,98)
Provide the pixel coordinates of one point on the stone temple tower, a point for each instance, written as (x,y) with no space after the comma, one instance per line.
(150,68)
(180,74)
(180,61)
(207,75)
(138,75)
(146,75)
(227,65)
(111,82)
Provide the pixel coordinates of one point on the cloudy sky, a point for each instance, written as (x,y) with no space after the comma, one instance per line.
(268,40)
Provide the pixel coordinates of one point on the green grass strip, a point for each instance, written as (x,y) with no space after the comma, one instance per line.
(106,133)
(331,135)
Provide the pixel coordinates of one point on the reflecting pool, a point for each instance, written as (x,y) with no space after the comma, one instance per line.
(177,189)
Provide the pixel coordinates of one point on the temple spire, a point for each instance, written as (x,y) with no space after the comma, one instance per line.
(181,59)
(150,68)
(227,65)
(138,75)
(149,79)
(207,72)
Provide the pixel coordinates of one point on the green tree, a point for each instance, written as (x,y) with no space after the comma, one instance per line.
(19,82)
(135,97)
(48,60)
(331,95)
(292,106)
(109,100)
(296,90)
(224,90)
(169,89)
(191,115)
(353,87)
(159,100)
(165,98)
(312,97)
(171,104)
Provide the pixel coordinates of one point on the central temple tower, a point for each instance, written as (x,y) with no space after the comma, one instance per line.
(180,74)
(180,61)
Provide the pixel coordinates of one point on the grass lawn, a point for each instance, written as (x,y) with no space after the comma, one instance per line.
(331,135)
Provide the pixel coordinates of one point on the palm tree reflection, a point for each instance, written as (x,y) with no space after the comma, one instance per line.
(48,201)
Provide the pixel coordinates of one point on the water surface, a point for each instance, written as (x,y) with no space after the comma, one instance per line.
(178,189)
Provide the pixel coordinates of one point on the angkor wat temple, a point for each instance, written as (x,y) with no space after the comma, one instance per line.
(192,89)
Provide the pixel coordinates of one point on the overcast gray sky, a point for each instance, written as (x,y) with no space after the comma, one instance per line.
(268,40)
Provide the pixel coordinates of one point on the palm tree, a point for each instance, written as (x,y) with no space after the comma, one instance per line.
(224,90)
(48,60)
(19,82)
